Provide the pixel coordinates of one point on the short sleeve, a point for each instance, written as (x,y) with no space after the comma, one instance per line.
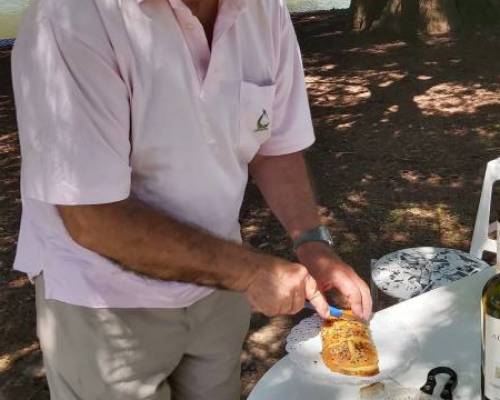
(292,128)
(73,116)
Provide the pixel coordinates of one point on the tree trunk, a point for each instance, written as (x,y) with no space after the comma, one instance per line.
(410,17)
(401,16)
(439,16)
(365,12)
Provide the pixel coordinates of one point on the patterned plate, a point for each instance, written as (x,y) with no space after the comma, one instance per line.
(407,273)
(397,347)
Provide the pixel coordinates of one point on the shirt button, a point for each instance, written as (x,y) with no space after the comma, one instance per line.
(189,26)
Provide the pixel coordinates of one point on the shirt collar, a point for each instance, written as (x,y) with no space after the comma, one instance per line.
(228,12)
(238,3)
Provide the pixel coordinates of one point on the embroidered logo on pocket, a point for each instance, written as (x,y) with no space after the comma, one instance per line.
(263,122)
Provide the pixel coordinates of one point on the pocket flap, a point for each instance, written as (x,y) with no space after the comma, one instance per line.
(256,104)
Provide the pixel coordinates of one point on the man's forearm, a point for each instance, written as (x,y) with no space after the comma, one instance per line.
(155,245)
(284,183)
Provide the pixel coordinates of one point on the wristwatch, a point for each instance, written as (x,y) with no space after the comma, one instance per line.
(318,234)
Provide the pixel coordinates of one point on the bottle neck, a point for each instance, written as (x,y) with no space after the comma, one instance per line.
(497,264)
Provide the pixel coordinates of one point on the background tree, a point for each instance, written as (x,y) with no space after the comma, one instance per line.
(409,17)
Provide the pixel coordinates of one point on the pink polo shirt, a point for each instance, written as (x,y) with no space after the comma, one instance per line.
(119,98)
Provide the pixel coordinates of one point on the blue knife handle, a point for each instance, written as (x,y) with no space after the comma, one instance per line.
(334,311)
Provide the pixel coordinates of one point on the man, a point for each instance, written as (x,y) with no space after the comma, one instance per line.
(139,121)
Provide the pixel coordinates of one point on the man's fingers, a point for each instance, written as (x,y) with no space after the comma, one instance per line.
(316,298)
(356,301)
(366,299)
(357,294)
(297,303)
(350,289)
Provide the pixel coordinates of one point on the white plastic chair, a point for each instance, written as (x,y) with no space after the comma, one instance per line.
(482,228)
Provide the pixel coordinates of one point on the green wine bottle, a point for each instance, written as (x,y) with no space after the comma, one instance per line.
(490,333)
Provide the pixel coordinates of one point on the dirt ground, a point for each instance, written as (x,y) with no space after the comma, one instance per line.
(403,135)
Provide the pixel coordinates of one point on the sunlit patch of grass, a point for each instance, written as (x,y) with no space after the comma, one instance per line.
(378,48)
(18,282)
(348,89)
(7,360)
(451,98)
(436,219)
(432,179)
(392,109)
(269,338)
(251,229)
(263,347)
(348,244)
(326,215)
(489,136)
(328,90)
(9,145)
(355,202)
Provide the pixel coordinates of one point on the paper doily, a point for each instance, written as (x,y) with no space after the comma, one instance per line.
(397,348)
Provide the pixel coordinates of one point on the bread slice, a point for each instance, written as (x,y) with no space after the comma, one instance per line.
(348,347)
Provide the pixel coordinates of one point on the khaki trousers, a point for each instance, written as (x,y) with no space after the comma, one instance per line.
(191,353)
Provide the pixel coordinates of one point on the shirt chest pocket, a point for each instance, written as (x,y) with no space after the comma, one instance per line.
(256,118)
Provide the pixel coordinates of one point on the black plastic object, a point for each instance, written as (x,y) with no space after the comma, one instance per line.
(451,384)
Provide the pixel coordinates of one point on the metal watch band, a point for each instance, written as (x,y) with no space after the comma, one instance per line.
(318,234)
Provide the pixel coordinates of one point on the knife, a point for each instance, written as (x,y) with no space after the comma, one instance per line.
(336,312)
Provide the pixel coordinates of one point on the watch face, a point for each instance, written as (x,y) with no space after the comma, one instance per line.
(319,234)
(325,234)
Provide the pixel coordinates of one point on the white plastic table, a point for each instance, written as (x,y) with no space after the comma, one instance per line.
(446,322)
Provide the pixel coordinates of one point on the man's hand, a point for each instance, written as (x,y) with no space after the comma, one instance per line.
(331,273)
(285,185)
(282,288)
